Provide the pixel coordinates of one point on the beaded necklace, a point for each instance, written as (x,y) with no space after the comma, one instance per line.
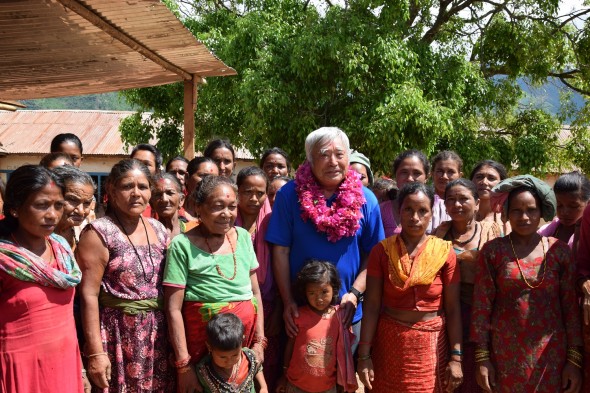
(463,244)
(135,249)
(233,254)
(543,264)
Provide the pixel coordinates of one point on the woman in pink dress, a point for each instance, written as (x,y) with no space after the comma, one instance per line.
(122,256)
(38,274)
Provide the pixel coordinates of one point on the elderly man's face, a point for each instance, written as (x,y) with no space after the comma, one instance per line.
(330,163)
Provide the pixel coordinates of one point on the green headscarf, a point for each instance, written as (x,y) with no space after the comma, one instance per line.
(360,158)
(502,190)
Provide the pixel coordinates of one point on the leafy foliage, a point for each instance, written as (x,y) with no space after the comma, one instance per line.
(394,74)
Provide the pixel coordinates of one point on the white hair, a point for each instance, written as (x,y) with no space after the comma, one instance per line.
(323,136)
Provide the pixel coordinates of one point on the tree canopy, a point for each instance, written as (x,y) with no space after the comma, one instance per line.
(393,74)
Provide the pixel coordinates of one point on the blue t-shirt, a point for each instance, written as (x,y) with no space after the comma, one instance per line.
(287,229)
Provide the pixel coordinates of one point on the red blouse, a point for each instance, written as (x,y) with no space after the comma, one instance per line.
(416,298)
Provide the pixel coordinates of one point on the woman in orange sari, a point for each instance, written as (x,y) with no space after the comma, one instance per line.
(411,329)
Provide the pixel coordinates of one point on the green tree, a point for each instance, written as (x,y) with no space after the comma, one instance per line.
(393,74)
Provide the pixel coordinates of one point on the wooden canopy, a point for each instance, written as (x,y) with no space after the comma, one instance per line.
(53,48)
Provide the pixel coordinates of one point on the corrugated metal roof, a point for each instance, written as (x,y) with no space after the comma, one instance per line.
(23,132)
(53,48)
(31,132)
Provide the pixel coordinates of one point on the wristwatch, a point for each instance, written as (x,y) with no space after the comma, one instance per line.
(360,296)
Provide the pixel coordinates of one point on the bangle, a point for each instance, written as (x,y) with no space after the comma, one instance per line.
(456,352)
(183,370)
(285,367)
(182,363)
(574,363)
(455,360)
(83,372)
(366,357)
(263,341)
(97,354)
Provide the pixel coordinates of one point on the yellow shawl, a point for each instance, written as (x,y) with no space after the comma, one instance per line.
(429,259)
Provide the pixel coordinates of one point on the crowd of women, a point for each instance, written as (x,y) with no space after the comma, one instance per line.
(329,275)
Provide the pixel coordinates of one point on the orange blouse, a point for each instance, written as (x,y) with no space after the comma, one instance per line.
(415,298)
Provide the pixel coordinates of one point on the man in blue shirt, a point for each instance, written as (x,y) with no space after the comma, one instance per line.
(297,240)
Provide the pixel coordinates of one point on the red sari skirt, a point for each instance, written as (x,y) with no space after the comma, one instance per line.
(197,314)
(409,358)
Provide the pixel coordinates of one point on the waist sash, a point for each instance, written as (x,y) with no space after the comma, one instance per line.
(130,307)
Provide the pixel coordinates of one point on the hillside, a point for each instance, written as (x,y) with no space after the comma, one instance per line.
(107,101)
(546,97)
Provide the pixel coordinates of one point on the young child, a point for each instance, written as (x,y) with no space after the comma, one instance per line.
(228,367)
(320,356)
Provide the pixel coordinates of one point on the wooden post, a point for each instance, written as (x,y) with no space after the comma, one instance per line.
(190,105)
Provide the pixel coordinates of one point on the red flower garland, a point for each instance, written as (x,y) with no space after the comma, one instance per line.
(342,218)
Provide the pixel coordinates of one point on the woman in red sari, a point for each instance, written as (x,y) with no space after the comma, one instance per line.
(38,275)
(525,317)
(413,343)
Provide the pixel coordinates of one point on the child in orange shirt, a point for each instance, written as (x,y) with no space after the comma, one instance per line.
(319,357)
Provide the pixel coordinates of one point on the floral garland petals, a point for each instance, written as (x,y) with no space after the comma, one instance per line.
(342,218)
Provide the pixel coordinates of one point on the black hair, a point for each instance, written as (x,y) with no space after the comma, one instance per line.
(195,163)
(415,187)
(49,158)
(71,174)
(208,184)
(501,169)
(152,149)
(408,154)
(121,168)
(225,332)
(24,182)
(250,171)
(218,144)
(62,138)
(465,183)
(167,176)
(388,185)
(177,158)
(520,190)
(275,150)
(573,182)
(317,272)
(447,155)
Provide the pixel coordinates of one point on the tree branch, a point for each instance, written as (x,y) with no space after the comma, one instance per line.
(443,17)
(581,91)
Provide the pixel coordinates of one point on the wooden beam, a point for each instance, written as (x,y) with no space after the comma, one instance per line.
(119,35)
(190,105)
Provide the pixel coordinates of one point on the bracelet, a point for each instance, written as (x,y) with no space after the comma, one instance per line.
(97,354)
(83,372)
(574,363)
(182,363)
(366,357)
(456,352)
(482,360)
(285,367)
(575,355)
(455,360)
(183,370)
(263,341)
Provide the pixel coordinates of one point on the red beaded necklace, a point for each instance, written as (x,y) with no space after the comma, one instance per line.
(233,253)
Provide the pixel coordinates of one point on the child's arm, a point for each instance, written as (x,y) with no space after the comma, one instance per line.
(282,383)
(261,382)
